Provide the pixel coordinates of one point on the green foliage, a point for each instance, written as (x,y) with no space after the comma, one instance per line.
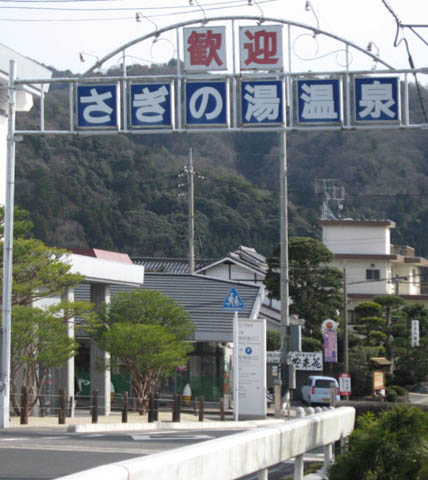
(273,340)
(39,340)
(316,289)
(391,446)
(147,332)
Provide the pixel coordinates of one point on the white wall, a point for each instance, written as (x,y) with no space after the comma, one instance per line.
(361,239)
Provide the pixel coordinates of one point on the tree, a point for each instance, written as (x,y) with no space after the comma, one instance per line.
(370,323)
(391,446)
(39,337)
(316,289)
(39,341)
(391,305)
(147,332)
(273,340)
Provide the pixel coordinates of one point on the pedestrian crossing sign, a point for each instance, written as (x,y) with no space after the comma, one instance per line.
(233,302)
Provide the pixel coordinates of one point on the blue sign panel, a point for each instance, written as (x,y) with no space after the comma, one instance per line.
(377,99)
(151,105)
(262,102)
(206,103)
(319,101)
(233,302)
(97,106)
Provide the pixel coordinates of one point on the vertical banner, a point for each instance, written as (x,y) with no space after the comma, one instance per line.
(415,333)
(329,335)
(252,368)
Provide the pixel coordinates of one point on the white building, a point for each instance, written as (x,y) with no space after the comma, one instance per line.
(373,266)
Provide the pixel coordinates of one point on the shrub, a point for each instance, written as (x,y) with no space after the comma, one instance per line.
(391,395)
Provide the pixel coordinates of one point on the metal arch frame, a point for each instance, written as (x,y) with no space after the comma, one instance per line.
(156,34)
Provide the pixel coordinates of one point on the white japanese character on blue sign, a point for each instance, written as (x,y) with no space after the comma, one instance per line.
(261,102)
(206,103)
(318,101)
(97,106)
(377,99)
(151,105)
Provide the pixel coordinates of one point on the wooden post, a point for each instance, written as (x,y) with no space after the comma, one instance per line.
(94,407)
(24,405)
(156,407)
(61,407)
(221,408)
(201,408)
(151,414)
(125,407)
(71,407)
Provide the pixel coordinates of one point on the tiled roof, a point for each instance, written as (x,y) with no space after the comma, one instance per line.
(168,265)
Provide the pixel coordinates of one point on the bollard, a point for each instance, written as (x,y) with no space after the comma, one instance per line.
(156,408)
(151,413)
(176,405)
(61,407)
(221,408)
(125,407)
(300,412)
(94,406)
(201,408)
(24,406)
(71,407)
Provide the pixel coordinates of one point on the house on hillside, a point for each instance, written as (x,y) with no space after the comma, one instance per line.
(373,266)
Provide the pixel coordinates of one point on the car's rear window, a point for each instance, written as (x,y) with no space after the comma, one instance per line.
(323,383)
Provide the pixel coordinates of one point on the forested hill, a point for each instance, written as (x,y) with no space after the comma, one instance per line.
(123,193)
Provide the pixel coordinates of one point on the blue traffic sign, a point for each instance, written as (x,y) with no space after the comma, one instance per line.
(233,302)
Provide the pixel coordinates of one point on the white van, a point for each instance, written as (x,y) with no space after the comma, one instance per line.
(317,389)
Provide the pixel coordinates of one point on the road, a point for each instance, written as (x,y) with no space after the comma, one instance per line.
(47,454)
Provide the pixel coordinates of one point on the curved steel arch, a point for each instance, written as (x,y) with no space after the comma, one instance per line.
(157,33)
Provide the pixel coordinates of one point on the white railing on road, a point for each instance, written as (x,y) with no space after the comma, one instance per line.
(235,456)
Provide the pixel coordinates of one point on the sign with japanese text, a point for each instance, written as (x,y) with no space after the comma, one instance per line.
(204,49)
(378,380)
(262,102)
(319,101)
(306,360)
(97,106)
(252,368)
(345,384)
(206,103)
(377,99)
(415,333)
(151,105)
(260,47)
(330,346)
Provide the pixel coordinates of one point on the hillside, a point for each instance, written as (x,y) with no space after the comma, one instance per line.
(122,193)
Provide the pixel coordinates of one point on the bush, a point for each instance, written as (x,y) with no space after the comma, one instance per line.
(391,395)
(391,445)
(401,391)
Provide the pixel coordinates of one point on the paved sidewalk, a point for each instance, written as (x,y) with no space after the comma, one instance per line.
(83,423)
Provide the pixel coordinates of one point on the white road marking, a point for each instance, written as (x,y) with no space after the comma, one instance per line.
(173,438)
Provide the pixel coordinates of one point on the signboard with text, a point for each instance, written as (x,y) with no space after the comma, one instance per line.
(252,368)
(306,360)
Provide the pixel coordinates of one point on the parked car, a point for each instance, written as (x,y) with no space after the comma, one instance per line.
(317,390)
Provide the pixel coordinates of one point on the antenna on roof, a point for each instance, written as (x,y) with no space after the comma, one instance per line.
(333,193)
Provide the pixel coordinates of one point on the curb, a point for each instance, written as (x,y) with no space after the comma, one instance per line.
(115,427)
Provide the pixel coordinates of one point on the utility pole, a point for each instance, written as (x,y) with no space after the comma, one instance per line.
(284,278)
(191,225)
(345,323)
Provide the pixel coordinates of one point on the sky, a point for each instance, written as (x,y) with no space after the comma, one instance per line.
(59,33)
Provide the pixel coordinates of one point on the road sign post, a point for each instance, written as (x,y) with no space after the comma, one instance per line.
(234,303)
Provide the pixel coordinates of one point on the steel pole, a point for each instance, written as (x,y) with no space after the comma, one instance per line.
(284,280)
(191,227)
(235,367)
(8,254)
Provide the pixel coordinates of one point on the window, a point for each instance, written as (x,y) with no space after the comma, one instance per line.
(372,273)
